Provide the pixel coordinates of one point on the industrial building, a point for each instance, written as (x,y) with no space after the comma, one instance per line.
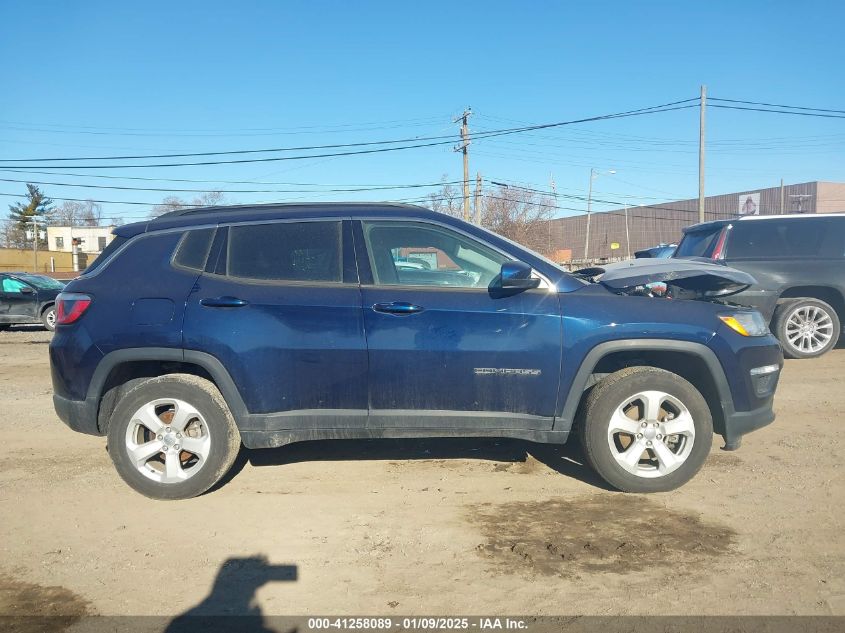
(618,233)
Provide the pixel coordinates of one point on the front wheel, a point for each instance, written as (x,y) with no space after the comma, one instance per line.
(645,429)
(172,437)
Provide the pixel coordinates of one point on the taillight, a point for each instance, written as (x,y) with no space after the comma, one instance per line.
(719,249)
(70,306)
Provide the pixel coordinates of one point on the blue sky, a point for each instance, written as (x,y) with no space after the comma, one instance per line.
(100,78)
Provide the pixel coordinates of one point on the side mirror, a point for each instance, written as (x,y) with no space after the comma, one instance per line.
(517,275)
(27,290)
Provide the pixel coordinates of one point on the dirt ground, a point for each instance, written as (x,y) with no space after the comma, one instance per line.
(423,527)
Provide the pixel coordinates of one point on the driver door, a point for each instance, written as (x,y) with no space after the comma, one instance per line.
(444,349)
(18,300)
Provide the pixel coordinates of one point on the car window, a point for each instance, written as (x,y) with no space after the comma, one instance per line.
(43,282)
(13,285)
(286,251)
(698,243)
(810,237)
(419,254)
(193,248)
(115,244)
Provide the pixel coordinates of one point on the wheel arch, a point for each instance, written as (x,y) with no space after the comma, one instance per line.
(694,362)
(828,294)
(120,370)
(46,306)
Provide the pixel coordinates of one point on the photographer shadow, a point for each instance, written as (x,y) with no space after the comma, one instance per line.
(231,604)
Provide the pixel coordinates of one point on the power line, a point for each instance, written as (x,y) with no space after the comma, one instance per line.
(176,190)
(777,105)
(815,114)
(191,180)
(436,141)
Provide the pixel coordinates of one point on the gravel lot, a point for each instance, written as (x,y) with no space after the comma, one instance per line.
(423,527)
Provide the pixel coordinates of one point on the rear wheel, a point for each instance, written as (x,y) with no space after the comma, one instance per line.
(48,318)
(172,437)
(806,328)
(645,429)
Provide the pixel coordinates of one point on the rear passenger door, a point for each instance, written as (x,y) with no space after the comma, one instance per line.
(279,305)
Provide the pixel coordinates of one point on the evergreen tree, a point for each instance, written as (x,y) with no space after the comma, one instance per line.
(21,213)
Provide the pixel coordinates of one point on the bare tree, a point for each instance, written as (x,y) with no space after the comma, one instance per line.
(174,203)
(70,213)
(448,200)
(519,214)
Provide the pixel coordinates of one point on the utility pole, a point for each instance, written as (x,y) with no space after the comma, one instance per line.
(627,235)
(593,174)
(464,149)
(34,221)
(781,196)
(553,187)
(589,203)
(477,206)
(701,122)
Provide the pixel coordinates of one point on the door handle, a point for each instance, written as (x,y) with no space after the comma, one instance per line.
(223,302)
(399,308)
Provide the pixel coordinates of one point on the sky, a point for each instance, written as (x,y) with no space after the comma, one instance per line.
(103,78)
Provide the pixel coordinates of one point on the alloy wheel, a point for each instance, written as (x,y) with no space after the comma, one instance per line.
(651,434)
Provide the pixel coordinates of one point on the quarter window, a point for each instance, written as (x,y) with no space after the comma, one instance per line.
(286,251)
(418,254)
(193,249)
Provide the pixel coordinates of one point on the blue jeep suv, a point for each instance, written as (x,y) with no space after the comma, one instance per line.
(202,330)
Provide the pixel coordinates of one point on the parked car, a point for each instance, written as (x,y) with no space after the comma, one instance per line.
(799,264)
(28,298)
(264,325)
(656,252)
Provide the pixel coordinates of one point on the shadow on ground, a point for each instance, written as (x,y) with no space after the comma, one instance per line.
(231,604)
(565,459)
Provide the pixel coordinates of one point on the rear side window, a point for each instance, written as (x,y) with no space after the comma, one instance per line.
(193,249)
(286,251)
(699,243)
(115,244)
(770,239)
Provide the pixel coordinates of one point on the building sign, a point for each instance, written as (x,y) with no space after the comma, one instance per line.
(749,203)
(614,246)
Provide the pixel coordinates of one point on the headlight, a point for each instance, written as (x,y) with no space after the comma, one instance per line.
(747,323)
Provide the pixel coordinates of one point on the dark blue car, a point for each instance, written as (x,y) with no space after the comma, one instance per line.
(206,329)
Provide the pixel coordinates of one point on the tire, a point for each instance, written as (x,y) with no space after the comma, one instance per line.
(194,444)
(48,318)
(612,415)
(806,328)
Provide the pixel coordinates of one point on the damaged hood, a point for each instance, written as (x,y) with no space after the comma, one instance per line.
(697,275)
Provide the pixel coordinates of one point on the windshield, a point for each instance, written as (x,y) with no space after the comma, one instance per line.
(699,243)
(42,282)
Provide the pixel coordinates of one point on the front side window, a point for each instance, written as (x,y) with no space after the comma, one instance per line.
(419,254)
(286,251)
(13,285)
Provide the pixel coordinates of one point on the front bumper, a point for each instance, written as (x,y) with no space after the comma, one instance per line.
(79,415)
(738,423)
